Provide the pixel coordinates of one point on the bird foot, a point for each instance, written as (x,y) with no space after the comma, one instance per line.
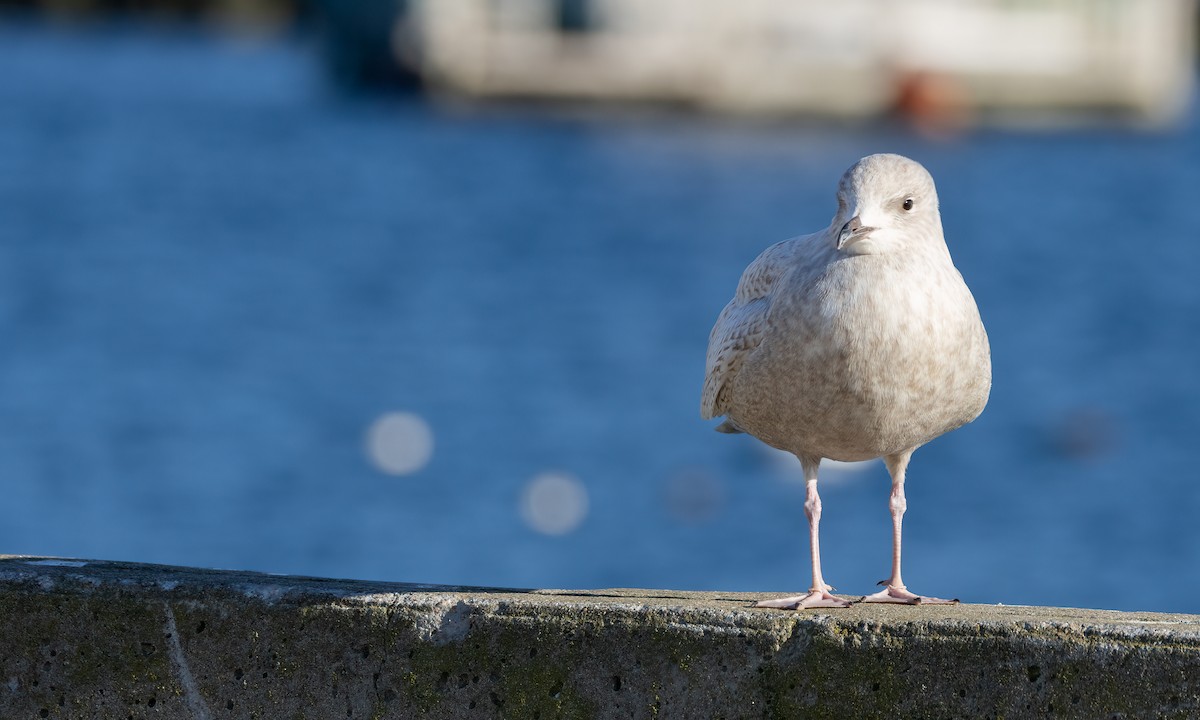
(813,599)
(900,594)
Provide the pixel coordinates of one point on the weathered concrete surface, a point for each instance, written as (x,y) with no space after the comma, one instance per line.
(115,640)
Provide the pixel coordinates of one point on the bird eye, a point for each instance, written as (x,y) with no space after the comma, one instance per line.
(908,203)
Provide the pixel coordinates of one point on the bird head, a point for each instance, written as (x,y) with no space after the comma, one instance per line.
(885,203)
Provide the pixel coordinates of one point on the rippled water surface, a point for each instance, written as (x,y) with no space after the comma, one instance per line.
(222,284)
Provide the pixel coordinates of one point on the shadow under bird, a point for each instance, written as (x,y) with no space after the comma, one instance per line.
(856,342)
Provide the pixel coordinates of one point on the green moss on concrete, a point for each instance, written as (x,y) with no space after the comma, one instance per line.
(97,648)
(117,645)
(842,675)
(524,679)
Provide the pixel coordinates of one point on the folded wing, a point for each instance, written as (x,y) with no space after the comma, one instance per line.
(741,326)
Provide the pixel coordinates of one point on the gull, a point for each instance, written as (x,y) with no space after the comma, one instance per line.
(855,342)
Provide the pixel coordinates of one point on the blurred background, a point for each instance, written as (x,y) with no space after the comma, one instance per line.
(421,291)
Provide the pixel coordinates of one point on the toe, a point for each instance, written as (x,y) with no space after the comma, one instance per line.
(885,596)
(926,600)
(786,603)
(824,599)
(814,599)
(901,596)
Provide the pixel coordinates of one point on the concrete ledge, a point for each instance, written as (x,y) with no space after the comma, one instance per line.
(92,639)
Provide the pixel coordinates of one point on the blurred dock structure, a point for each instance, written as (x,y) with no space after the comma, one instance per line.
(258,16)
(856,58)
(948,61)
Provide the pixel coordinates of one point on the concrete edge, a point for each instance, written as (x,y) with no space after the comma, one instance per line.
(164,640)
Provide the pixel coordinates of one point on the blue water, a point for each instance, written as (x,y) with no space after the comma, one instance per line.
(216,272)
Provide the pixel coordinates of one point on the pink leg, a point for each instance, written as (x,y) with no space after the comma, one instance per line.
(821,593)
(895,592)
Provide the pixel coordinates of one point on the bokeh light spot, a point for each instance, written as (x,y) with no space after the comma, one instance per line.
(399,443)
(554,503)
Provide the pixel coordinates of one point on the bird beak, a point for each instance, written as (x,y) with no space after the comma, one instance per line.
(852,231)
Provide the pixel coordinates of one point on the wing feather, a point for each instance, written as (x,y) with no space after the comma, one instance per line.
(741,325)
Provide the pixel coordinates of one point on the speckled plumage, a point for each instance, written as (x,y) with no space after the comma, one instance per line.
(851,356)
(857,341)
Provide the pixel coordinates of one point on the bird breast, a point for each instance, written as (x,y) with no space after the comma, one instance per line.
(866,356)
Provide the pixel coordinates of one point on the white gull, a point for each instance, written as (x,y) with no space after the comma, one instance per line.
(858,341)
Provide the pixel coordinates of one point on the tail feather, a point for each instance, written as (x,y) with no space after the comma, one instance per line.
(729,427)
